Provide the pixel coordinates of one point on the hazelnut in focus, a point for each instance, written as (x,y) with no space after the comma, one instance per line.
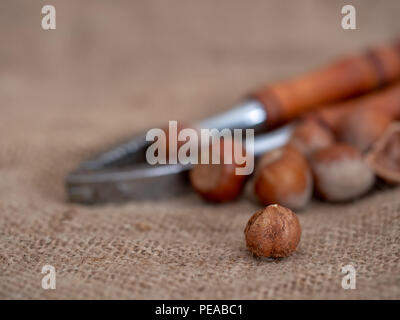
(309,135)
(341,173)
(284,177)
(273,232)
(362,127)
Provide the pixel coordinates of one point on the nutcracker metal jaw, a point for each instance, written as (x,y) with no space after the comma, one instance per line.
(122,173)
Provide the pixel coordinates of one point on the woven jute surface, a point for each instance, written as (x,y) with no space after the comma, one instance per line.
(113,68)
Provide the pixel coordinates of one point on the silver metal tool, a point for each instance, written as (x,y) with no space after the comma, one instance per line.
(122,173)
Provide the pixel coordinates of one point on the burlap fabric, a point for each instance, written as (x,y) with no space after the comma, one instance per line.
(113,68)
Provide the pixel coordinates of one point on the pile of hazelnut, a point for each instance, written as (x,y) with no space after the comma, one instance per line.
(335,164)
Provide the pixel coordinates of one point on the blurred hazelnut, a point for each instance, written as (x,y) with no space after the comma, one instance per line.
(217,182)
(309,135)
(284,177)
(384,157)
(362,127)
(273,231)
(340,173)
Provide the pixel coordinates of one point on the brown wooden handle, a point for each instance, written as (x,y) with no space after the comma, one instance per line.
(345,78)
(386,101)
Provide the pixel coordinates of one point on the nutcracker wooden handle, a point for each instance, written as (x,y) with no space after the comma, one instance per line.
(386,101)
(350,76)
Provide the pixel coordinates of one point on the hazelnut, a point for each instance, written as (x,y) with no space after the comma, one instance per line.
(310,135)
(384,157)
(340,173)
(284,177)
(274,232)
(362,127)
(217,182)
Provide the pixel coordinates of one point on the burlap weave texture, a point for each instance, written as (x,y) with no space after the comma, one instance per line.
(111,69)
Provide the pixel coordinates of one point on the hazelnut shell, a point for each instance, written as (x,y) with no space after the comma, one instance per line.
(217,182)
(284,177)
(341,173)
(309,135)
(362,127)
(273,231)
(384,157)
